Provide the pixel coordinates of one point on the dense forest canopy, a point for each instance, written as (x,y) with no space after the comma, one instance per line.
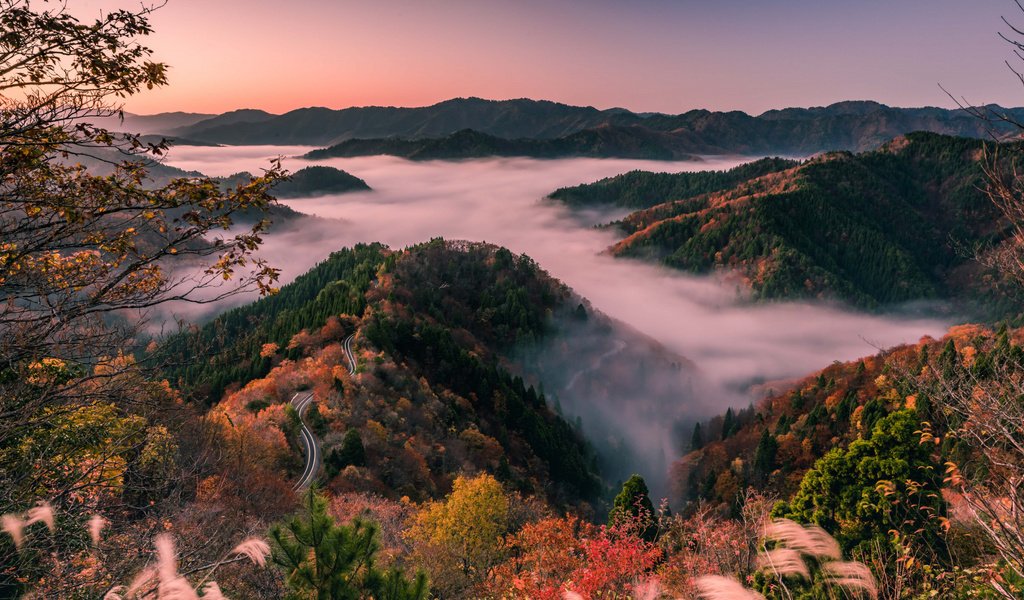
(876,229)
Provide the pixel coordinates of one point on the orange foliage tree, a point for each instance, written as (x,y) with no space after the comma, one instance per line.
(560,554)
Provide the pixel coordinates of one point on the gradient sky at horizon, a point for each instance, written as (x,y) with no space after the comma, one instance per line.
(645,55)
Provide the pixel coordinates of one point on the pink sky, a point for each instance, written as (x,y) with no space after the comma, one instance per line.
(646,55)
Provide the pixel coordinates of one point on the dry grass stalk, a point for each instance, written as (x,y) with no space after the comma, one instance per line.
(96,525)
(852,576)
(810,540)
(256,549)
(784,562)
(713,587)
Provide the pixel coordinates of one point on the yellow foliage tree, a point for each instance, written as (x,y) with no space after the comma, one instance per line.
(458,540)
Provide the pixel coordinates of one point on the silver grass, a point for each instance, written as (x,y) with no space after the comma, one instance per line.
(166,559)
(141,580)
(648,590)
(713,587)
(784,562)
(14,527)
(852,576)
(96,525)
(43,513)
(810,540)
(255,549)
(176,589)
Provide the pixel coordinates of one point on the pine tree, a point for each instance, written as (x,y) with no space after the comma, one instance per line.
(728,424)
(764,456)
(352,450)
(323,560)
(949,359)
(316,420)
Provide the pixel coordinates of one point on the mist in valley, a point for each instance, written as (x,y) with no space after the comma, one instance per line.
(675,347)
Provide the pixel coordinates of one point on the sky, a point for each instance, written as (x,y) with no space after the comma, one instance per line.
(644,55)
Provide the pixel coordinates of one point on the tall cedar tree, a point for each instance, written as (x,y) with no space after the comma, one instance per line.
(634,502)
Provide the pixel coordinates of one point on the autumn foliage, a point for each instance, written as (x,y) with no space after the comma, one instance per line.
(562,554)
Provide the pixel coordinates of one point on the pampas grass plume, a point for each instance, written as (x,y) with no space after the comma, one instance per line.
(810,540)
(853,576)
(15,527)
(713,587)
(256,549)
(43,513)
(96,525)
(784,562)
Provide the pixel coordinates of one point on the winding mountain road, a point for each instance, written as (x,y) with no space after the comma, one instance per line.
(347,346)
(619,347)
(301,401)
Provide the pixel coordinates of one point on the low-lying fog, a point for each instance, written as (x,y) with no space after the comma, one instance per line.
(501,201)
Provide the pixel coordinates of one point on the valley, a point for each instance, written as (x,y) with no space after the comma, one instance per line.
(723,340)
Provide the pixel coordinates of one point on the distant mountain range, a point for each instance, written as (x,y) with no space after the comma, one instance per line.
(151,124)
(855,126)
(897,224)
(606,141)
(324,126)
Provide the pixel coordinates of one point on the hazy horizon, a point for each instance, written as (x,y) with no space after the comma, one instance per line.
(646,56)
(602,108)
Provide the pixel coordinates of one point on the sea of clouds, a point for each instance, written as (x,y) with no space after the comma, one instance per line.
(731,342)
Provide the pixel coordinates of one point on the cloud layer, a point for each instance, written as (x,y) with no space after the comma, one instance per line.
(732,344)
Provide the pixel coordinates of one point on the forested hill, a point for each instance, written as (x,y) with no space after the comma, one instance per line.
(877,228)
(643,189)
(600,142)
(860,447)
(431,397)
(308,181)
(855,126)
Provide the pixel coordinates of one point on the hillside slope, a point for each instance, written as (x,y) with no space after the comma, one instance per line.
(872,229)
(643,189)
(433,394)
(773,445)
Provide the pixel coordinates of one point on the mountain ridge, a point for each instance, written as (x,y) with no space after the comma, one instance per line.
(872,229)
(849,125)
(606,141)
